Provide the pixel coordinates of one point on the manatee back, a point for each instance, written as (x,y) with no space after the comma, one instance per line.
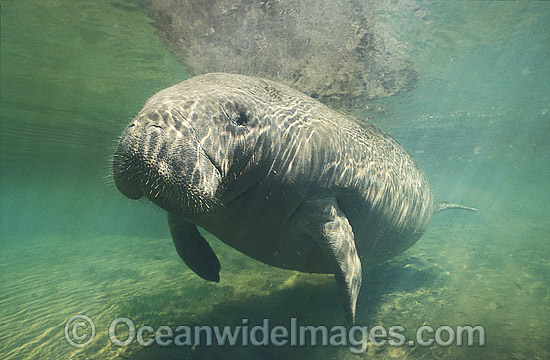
(379,186)
(382,191)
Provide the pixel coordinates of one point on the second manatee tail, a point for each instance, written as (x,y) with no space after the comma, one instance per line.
(449,206)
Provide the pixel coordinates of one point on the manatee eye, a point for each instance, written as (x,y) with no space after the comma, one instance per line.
(240,118)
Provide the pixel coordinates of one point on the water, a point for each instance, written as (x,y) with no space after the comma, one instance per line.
(478,122)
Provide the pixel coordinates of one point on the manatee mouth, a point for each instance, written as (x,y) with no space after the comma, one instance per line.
(172,171)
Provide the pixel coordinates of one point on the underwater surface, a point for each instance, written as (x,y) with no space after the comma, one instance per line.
(74,73)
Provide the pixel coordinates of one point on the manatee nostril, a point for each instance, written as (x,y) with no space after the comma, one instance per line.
(156,126)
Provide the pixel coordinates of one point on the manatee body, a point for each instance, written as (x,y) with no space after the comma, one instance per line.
(276,175)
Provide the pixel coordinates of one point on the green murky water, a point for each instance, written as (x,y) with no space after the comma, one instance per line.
(73,73)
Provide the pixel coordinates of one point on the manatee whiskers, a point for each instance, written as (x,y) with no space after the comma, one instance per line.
(194,202)
(191,198)
(108,175)
(276,175)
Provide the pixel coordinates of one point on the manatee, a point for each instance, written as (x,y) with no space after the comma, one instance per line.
(276,175)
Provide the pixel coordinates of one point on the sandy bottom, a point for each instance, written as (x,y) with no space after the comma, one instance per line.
(466,270)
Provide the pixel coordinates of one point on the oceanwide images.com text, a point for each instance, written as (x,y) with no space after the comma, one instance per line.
(80,332)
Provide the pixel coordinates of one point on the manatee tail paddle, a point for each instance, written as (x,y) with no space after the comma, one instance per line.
(442,206)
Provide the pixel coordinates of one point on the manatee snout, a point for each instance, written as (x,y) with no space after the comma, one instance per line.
(166,164)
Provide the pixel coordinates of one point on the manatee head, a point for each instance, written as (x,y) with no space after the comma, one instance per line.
(188,146)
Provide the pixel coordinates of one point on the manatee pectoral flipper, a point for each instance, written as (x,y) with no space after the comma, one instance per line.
(323,221)
(193,249)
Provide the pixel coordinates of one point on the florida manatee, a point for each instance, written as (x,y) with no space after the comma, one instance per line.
(276,175)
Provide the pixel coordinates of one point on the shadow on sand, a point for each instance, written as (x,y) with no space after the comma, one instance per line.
(313,302)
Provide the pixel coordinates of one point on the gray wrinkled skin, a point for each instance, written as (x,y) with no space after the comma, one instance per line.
(276,175)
